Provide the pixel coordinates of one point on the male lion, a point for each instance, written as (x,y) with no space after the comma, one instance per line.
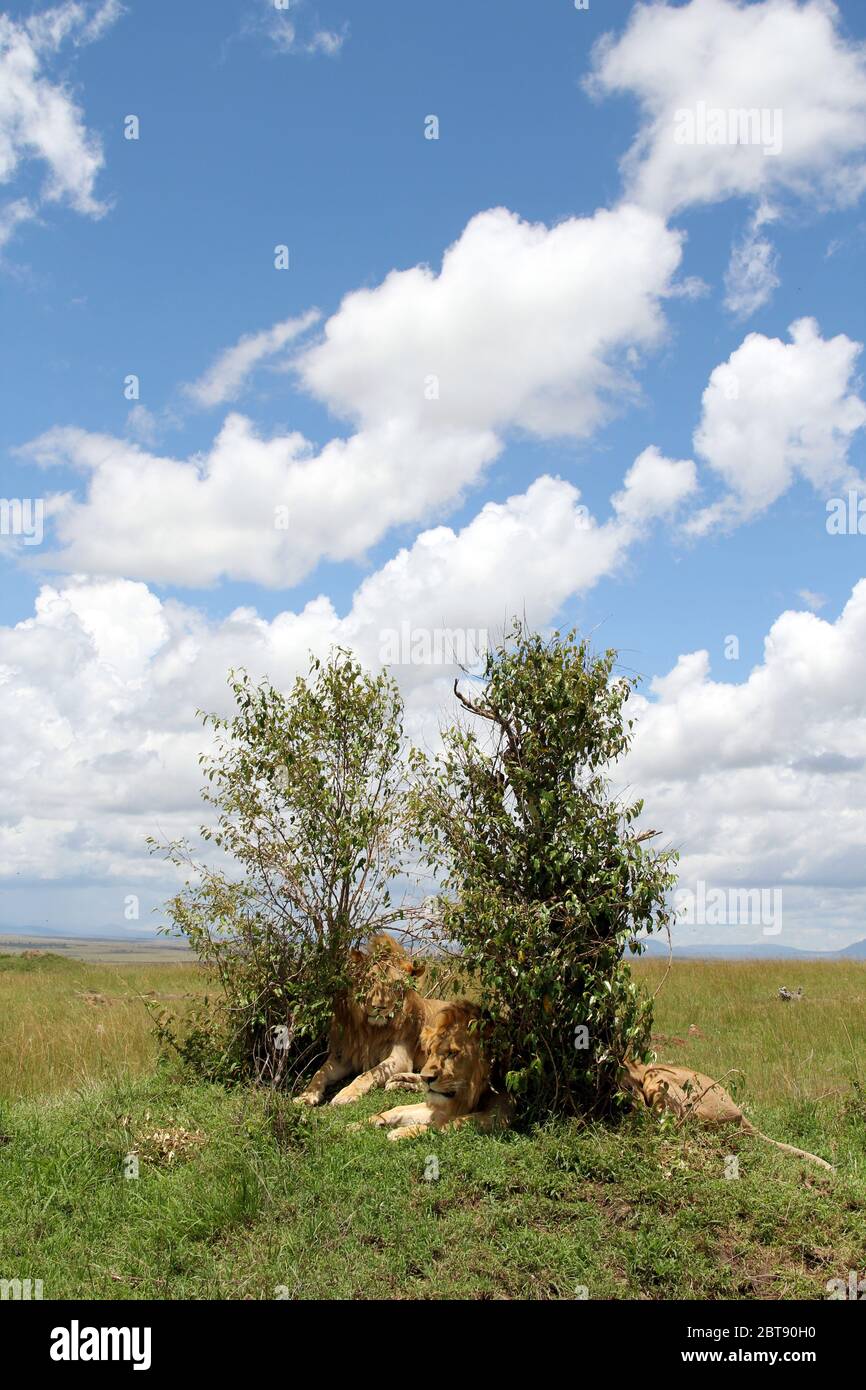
(690,1094)
(455,1077)
(377,1023)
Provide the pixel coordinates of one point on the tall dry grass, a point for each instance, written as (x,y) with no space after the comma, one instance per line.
(768,1050)
(66,1023)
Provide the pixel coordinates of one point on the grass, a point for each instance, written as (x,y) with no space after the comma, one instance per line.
(279,1202)
(775,1051)
(68,1023)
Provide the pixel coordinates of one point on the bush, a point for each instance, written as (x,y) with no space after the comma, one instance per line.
(311,807)
(545,881)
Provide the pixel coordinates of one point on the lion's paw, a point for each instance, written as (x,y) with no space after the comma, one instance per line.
(405,1081)
(404,1132)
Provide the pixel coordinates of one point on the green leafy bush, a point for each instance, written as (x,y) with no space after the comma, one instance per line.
(312,816)
(545,881)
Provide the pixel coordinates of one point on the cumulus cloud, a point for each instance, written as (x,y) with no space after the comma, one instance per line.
(545,538)
(225,378)
(39,118)
(759,782)
(774,56)
(762,782)
(524,328)
(776,411)
(98,689)
(654,486)
(264,510)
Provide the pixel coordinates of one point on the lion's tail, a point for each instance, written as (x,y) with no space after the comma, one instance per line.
(788,1148)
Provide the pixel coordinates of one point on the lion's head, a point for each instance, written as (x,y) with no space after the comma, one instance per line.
(631,1078)
(381,982)
(455,1074)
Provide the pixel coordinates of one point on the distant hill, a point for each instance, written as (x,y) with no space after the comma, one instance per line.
(81,934)
(88,948)
(759,951)
(654,946)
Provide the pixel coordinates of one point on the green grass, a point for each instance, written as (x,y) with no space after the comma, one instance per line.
(279,1198)
(68,1023)
(285,1201)
(809,1050)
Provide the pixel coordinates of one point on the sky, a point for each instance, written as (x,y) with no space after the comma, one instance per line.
(329,322)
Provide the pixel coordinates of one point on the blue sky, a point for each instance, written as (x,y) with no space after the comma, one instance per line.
(306,127)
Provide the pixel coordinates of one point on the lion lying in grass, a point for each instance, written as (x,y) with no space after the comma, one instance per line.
(377,1024)
(455,1078)
(690,1094)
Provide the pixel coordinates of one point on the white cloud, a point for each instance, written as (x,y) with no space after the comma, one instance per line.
(758,782)
(544,538)
(654,486)
(812,600)
(525,328)
(763,781)
(751,276)
(12,215)
(280,26)
(265,510)
(775,411)
(102,19)
(98,690)
(142,424)
(328,41)
(39,118)
(773,56)
(225,378)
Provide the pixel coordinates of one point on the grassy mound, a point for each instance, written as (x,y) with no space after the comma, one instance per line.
(272,1202)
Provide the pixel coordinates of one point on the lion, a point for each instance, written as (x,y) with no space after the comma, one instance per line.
(455,1077)
(377,1023)
(690,1094)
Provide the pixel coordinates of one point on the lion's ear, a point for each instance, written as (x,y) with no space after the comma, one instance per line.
(416,968)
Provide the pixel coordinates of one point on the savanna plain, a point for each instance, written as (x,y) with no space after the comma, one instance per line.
(240,1194)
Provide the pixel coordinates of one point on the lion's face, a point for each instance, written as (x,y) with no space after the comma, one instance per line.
(631,1078)
(382,976)
(455,1073)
